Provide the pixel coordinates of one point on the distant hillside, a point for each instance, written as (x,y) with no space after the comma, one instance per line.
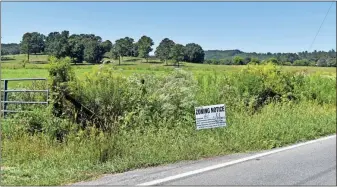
(10,49)
(283,57)
(219,54)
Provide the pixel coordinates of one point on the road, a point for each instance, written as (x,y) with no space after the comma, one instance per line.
(309,163)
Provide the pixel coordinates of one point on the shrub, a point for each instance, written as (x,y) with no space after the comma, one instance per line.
(60,73)
(312,63)
(287,64)
(331,62)
(137,100)
(140,101)
(322,62)
(227,61)
(301,62)
(40,121)
(256,86)
(317,88)
(208,61)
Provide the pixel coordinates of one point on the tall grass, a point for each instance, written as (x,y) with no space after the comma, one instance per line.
(37,160)
(145,120)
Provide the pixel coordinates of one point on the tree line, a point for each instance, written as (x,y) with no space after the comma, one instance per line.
(10,49)
(92,49)
(305,58)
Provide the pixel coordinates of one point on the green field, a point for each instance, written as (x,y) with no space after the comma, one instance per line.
(141,125)
(38,67)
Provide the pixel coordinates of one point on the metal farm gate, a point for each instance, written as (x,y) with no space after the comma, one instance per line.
(5,101)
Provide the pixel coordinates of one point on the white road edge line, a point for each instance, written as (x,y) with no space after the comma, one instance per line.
(158,181)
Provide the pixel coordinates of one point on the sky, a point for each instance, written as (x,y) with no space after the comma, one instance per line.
(247,26)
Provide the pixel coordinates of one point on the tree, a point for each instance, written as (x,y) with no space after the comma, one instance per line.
(120,48)
(93,50)
(163,51)
(37,42)
(287,63)
(128,44)
(57,44)
(303,62)
(114,53)
(246,60)
(208,61)
(135,50)
(321,62)
(312,63)
(124,47)
(106,45)
(291,57)
(332,53)
(4,52)
(238,60)
(331,62)
(273,61)
(177,53)
(11,48)
(144,47)
(76,46)
(26,44)
(254,61)
(227,61)
(194,53)
(215,61)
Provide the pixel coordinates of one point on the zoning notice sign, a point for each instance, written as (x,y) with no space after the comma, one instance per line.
(210,116)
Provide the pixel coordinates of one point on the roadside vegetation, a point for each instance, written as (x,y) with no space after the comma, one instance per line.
(124,117)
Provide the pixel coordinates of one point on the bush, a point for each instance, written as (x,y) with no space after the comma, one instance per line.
(60,73)
(331,62)
(317,88)
(256,86)
(322,62)
(208,61)
(144,100)
(272,61)
(301,62)
(215,61)
(287,64)
(254,61)
(138,100)
(312,63)
(227,62)
(40,121)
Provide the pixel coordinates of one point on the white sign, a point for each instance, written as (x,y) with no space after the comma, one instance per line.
(210,116)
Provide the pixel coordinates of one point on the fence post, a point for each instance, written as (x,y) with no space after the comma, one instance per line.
(5,96)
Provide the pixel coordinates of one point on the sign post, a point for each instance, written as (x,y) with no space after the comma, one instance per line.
(210,116)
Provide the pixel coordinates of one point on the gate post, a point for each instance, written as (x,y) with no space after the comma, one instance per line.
(5,96)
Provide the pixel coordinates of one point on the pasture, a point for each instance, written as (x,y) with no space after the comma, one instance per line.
(152,124)
(13,67)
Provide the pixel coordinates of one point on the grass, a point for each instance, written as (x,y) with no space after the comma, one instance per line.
(37,161)
(13,68)
(146,126)
(33,59)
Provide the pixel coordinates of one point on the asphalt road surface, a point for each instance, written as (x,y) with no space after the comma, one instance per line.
(309,163)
